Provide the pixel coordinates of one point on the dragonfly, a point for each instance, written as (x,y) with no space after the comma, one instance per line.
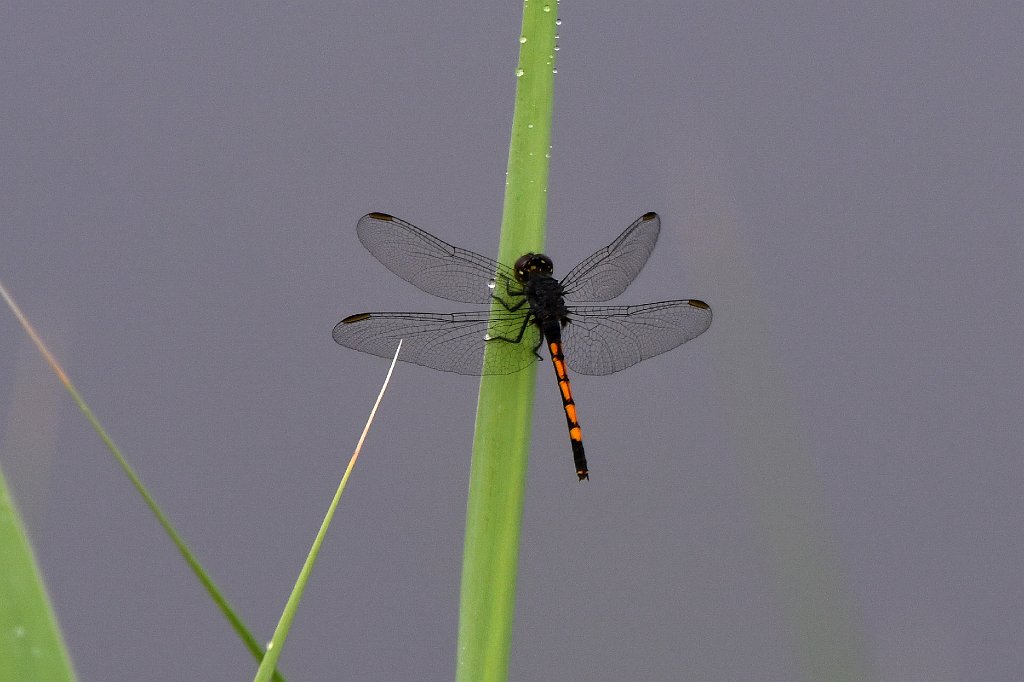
(529,307)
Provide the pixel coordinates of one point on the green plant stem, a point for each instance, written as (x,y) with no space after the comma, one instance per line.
(501,443)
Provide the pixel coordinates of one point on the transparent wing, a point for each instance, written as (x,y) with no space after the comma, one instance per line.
(606,339)
(450,342)
(428,263)
(607,273)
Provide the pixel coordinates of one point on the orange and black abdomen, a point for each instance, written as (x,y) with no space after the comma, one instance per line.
(553,337)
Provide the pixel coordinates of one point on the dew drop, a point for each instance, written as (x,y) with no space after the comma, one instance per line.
(519,73)
(558,22)
(522,39)
(547,8)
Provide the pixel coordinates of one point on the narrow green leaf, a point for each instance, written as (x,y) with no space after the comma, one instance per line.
(501,444)
(284,623)
(31,647)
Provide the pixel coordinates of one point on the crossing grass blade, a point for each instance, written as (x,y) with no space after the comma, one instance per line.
(248,639)
(505,403)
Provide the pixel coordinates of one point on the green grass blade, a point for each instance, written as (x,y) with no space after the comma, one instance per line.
(501,443)
(284,624)
(31,646)
(243,632)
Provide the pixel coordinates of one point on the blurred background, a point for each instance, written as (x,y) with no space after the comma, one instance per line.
(833,471)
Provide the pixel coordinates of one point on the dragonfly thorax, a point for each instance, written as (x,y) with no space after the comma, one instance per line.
(531,264)
(547,299)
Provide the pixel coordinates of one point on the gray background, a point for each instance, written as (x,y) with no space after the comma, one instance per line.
(841,182)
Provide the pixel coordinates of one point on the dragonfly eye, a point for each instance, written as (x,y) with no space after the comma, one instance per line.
(533,264)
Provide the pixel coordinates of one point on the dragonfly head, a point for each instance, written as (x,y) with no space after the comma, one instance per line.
(532,264)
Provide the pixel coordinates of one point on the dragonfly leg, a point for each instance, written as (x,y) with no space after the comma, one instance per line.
(506,305)
(527,321)
(536,349)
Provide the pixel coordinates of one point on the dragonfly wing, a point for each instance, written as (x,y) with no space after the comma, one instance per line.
(607,273)
(429,263)
(450,342)
(606,339)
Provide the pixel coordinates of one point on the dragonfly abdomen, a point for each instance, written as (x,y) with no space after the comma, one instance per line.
(553,336)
